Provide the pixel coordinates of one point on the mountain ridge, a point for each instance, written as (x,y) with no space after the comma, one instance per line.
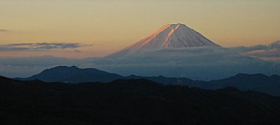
(256,82)
(73,74)
(135,101)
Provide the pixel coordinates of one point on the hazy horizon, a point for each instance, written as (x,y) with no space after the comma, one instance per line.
(97,28)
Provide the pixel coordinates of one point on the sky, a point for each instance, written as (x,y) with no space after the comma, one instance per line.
(95,28)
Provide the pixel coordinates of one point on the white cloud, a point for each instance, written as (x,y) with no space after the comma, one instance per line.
(265,52)
(44,46)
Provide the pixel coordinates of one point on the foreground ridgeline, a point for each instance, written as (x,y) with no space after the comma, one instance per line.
(136,101)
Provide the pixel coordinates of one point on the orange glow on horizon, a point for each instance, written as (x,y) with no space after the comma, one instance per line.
(113,25)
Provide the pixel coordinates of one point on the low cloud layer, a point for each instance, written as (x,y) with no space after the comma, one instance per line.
(39,46)
(204,63)
(264,52)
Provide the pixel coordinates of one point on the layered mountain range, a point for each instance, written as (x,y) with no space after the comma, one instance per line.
(136,102)
(71,95)
(73,74)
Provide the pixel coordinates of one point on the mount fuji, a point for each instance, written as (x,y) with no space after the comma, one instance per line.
(175,50)
(169,36)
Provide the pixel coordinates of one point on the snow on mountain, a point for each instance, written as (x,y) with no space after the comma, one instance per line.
(168,36)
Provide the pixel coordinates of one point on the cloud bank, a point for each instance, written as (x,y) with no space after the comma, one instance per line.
(265,52)
(197,63)
(205,63)
(44,46)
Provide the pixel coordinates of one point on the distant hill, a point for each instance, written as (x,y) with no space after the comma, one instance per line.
(253,82)
(136,101)
(73,74)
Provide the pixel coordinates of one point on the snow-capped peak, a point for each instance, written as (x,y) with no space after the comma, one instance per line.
(168,36)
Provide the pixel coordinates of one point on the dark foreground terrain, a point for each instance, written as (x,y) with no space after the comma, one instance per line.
(131,102)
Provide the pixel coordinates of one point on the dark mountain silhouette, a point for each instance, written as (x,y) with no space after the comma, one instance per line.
(164,80)
(136,101)
(74,74)
(253,82)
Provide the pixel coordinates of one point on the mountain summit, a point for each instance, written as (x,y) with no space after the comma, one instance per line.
(73,74)
(168,36)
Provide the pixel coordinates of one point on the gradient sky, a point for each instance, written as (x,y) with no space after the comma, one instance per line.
(105,26)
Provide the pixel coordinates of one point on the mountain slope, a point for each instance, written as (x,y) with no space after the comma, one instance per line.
(168,36)
(131,102)
(255,82)
(74,75)
(176,50)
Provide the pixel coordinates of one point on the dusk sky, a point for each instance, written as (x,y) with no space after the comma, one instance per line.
(92,28)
